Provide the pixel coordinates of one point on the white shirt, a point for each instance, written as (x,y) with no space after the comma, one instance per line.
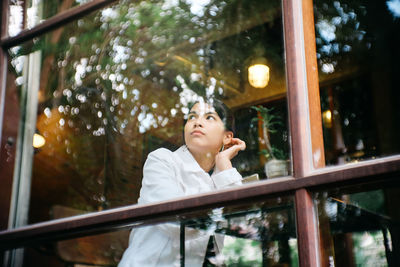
(168,175)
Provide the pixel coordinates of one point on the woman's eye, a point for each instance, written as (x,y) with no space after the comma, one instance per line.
(192,117)
(210,117)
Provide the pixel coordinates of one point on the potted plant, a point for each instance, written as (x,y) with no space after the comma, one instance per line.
(277,163)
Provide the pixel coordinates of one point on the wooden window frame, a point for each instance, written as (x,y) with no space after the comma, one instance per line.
(307,147)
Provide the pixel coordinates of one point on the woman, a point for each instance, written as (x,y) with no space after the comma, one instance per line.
(209,144)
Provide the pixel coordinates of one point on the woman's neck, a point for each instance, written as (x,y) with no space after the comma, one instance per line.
(205,160)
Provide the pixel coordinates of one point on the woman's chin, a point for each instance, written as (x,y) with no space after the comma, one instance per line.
(202,148)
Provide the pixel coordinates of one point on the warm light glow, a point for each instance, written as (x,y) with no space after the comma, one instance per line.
(258,75)
(327,118)
(38,141)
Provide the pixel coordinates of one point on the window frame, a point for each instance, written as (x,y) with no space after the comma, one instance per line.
(309,172)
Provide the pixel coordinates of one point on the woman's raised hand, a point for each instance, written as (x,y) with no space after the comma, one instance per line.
(232,149)
(223,158)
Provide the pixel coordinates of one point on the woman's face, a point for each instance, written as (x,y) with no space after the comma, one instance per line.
(204,129)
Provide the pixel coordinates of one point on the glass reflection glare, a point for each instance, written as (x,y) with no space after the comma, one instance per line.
(327,118)
(394,7)
(15,18)
(263,236)
(360,228)
(358,65)
(38,141)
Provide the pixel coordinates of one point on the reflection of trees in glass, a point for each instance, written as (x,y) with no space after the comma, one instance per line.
(340,34)
(357,51)
(359,228)
(118,81)
(262,238)
(242,252)
(253,235)
(369,249)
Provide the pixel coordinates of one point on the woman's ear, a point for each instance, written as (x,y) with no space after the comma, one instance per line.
(227,138)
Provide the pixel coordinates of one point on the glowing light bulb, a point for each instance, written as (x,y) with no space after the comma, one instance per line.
(258,75)
(38,141)
(327,118)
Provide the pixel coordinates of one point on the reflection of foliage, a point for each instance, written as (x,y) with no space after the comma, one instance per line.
(369,249)
(256,235)
(357,49)
(242,252)
(260,238)
(126,72)
(339,32)
(118,79)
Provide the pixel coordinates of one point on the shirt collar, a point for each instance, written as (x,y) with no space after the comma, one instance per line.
(189,162)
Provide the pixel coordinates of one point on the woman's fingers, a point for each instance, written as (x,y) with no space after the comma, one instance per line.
(234,147)
(241,145)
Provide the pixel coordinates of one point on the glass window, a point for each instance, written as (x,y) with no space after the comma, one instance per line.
(359,227)
(39,10)
(96,250)
(258,234)
(103,92)
(358,55)
(27,14)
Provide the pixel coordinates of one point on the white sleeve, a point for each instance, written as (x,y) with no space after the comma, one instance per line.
(159,179)
(159,183)
(227,178)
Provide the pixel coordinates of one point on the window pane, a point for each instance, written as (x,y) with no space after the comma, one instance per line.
(36,12)
(39,10)
(105,91)
(259,234)
(359,227)
(96,250)
(358,55)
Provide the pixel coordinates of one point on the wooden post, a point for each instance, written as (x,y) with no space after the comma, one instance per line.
(304,118)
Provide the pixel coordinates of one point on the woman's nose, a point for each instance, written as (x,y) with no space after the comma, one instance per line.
(198,123)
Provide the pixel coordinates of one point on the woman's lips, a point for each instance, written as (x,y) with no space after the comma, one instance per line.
(197,132)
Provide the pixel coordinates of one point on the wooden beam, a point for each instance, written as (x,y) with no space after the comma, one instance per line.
(300,120)
(317,139)
(54,22)
(307,233)
(7,148)
(297,89)
(377,171)
(4,14)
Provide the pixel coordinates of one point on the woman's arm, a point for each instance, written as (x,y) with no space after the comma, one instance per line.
(159,178)
(159,183)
